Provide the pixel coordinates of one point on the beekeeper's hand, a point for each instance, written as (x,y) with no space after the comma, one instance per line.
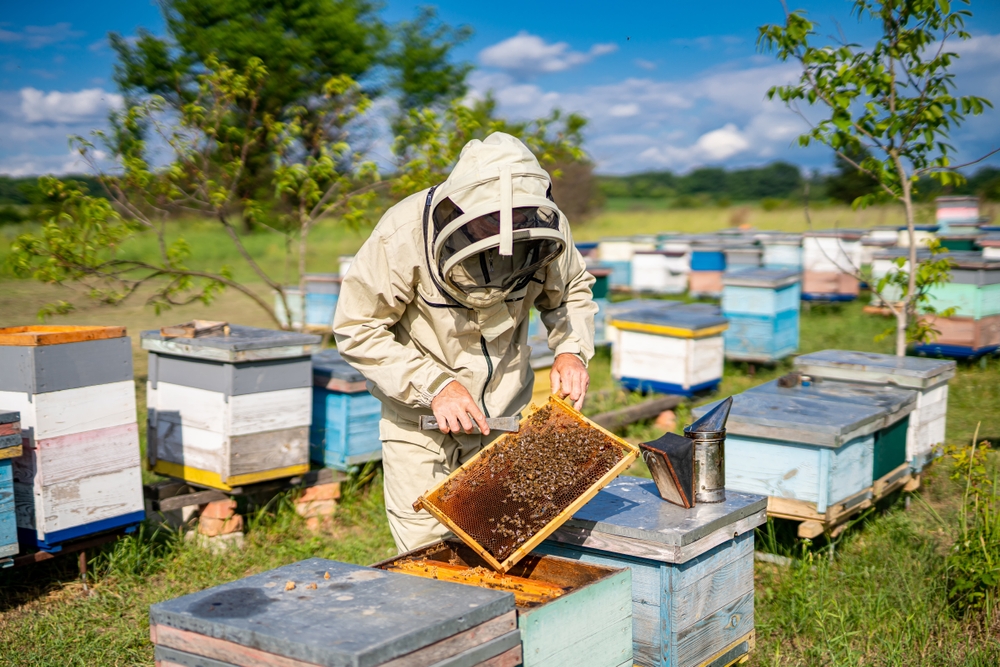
(570,379)
(456,410)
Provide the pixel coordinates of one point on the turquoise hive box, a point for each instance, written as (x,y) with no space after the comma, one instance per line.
(10,448)
(344,432)
(692,569)
(762,306)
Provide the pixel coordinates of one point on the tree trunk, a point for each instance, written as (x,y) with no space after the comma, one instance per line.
(907,308)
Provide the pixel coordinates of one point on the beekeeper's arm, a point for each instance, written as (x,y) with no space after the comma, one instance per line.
(373,297)
(567,309)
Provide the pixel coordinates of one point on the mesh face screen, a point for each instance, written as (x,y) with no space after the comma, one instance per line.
(521,483)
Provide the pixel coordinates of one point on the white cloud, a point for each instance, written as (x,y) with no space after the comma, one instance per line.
(645,64)
(527,54)
(723,143)
(624,110)
(27,164)
(38,36)
(60,107)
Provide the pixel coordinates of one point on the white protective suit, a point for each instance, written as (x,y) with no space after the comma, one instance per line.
(427,301)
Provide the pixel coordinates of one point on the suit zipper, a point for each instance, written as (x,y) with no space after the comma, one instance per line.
(489,375)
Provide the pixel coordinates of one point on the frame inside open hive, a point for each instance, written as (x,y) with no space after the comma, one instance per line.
(518,490)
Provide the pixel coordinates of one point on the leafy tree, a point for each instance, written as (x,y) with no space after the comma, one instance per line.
(850,183)
(893,100)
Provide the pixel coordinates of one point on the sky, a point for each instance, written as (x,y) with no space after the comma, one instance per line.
(664,85)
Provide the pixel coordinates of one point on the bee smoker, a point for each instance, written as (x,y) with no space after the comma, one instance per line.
(708,435)
(693,468)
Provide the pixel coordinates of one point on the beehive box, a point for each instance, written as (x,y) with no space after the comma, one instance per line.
(742,257)
(692,569)
(963,336)
(322,293)
(659,272)
(800,448)
(511,495)
(974,288)
(923,234)
(579,614)
(889,446)
(929,377)
(616,254)
(344,432)
(762,306)
(990,246)
(230,410)
(956,210)
(296,304)
(829,286)
(782,252)
(671,350)
(601,289)
(831,251)
(321,612)
(10,448)
(79,472)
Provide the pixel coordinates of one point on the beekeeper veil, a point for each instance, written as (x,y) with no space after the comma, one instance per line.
(493,227)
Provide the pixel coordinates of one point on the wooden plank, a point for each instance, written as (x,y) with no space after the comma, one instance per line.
(702,640)
(616,419)
(711,593)
(70,411)
(67,548)
(220,649)
(251,454)
(896,479)
(233,415)
(70,457)
(526,591)
(735,653)
(214,480)
(452,646)
(56,335)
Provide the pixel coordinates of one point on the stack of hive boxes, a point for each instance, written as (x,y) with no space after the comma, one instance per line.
(990,246)
(616,253)
(781,251)
(79,473)
(742,255)
(675,349)
(322,292)
(344,432)
(831,261)
(884,263)
(708,263)
(974,292)
(321,612)
(229,410)
(10,447)
(762,306)
(659,271)
(928,377)
(957,215)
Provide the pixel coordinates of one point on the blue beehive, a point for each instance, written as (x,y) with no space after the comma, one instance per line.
(345,417)
(692,569)
(762,306)
(322,292)
(10,448)
(801,449)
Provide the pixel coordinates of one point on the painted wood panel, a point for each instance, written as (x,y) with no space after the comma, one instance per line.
(711,593)
(240,415)
(56,460)
(78,502)
(759,300)
(709,635)
(706,360)
(271,450)
(47,368)
(8,522)
(187,446)
(60,413)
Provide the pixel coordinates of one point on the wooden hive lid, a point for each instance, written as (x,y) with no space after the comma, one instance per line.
(631,507)
(242,344)
(359,617)
(799,419)
(760,277)
(896,401)
(914,372)
(9,416)
(683,320)
(36,335)
(332,371)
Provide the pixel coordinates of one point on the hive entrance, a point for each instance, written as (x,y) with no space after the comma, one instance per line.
(509,498)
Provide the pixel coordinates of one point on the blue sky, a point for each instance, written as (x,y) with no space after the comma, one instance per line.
(665,85)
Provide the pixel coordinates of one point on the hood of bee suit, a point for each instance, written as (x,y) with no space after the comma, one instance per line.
(492,226)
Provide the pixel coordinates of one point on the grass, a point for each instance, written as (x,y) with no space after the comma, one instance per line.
(874,597)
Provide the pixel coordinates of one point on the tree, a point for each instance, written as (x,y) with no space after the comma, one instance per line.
(894,100)
(849,183)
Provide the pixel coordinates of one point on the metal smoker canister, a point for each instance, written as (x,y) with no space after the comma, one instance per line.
(709,438)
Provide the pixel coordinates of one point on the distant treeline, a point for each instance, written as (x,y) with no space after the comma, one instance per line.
(778,180)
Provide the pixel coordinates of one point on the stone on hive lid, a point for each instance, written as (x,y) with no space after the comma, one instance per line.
(799,419)
(242,344)
(759,277)
(913,372)
(359,617)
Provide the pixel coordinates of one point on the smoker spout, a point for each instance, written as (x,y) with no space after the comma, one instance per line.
(714,421)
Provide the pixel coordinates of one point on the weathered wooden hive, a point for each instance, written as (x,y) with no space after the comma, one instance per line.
(692,569)
(929,377)
(230,410)
(762,306)
(677,349)
(829,260)
(974,292)
(79,472)
(569,613)
(344,432)
(10,448)
(322,612)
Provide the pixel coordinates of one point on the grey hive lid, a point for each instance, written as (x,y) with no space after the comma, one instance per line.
(896,253)
(973,260)
(914,372)
(617,308)
(683,316)
(771,278)
(897,401)
(329,364)
(799,419)
(632,507)
(9,416)
(359,617)
(241,339)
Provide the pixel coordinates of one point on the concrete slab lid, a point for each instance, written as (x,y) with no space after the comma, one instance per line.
(897,401)
(329,362)
(760,277)
(241,338)
(632,507)
(680,317)
(359,617)
(875,364)
(799,419)
(9,416)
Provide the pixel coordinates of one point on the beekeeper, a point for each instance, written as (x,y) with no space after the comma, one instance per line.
(434,312)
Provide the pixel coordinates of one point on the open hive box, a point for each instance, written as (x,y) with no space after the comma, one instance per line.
(569,613)
(512,495)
